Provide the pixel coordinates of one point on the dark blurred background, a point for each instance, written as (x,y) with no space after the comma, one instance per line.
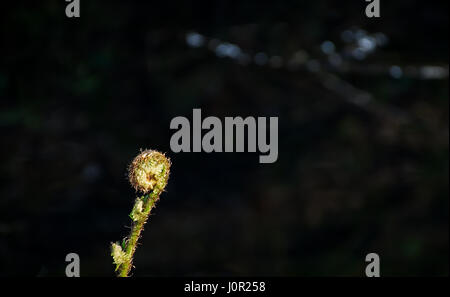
(363,136)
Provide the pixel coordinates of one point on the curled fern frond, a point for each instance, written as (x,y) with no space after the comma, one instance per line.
(148,173)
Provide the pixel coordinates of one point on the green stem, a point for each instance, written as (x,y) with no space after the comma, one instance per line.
(148,173)
(131,243)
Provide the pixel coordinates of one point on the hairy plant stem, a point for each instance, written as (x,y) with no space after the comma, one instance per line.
(149,201)
(148,174)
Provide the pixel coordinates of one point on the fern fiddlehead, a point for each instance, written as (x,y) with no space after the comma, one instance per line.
(148,174)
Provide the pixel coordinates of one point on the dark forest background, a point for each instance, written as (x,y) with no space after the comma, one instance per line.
(363,136)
